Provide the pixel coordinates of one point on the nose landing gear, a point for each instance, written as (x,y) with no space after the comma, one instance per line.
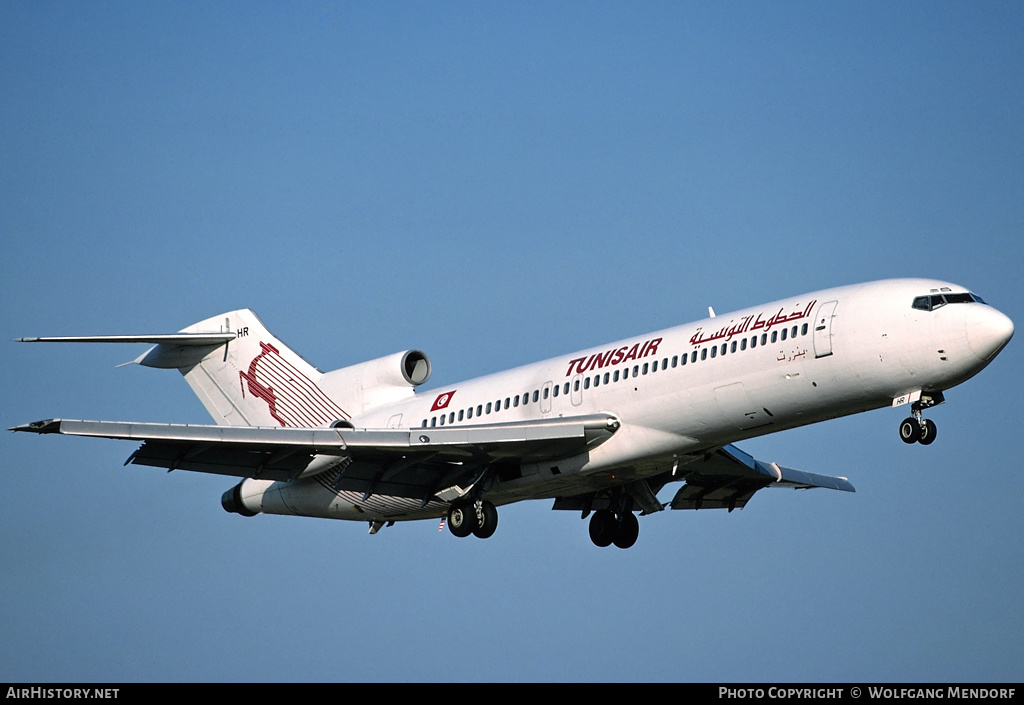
(917,430)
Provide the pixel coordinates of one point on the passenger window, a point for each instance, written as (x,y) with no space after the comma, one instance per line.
(605,380)
(743,344)
(703,353)
(556,390)
(546,390)
(636,370)
(442,419)
(792,333)
(732,347)
(615,377)
(775,335)
(462,413)
(480,409)
(576,386)
(536,396)
(764,338)
(565,389)
(645,368)
(714,352)
(515,400)
(451,417)
(693,356)
(783,335)
(469,413)
(488,407)
(433,421)
(803,330)
(586,383)
(506,402)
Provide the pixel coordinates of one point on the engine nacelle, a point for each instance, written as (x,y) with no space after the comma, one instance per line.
(234,501)
(369,384)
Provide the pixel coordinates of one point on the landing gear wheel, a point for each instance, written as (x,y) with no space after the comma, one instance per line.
(910,430)
(926,432)
(603,528)
(462,520)
(628,530)
(487,521)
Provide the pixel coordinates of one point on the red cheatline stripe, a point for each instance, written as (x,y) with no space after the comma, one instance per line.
(298,400)
(304,394)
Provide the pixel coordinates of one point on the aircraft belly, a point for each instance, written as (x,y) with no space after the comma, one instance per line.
(314,497)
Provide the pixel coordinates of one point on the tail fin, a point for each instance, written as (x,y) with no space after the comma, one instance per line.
(251,380)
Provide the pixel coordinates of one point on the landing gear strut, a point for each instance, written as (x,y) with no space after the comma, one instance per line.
(478,517)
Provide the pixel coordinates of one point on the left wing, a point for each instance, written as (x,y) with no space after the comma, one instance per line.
(404,462)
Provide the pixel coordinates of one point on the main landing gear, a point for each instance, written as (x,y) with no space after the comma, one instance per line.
(478,517)
(607,528)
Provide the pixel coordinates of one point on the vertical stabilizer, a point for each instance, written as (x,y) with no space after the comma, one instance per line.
(252,380)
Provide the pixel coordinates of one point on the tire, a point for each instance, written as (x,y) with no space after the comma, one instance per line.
(629,529)
(603,528)
(461,520)
(486,528)
(927,433)
(910,431)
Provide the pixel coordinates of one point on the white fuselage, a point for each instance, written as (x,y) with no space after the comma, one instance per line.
(684,390)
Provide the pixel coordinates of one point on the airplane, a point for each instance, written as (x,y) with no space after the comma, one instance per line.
(601,431)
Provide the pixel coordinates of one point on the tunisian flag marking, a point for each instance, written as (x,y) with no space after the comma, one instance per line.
(442,401)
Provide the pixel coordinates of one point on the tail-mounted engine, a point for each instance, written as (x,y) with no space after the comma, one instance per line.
(381,381)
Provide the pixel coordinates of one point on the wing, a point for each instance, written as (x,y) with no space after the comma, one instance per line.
(728,478)
(400,462)
(723,479)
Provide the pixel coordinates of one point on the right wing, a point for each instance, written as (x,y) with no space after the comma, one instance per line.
(729,477)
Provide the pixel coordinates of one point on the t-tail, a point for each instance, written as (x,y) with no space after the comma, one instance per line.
(245,376)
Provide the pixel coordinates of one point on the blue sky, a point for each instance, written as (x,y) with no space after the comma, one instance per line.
(495,184)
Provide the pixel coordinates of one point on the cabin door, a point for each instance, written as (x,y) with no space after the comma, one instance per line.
(823,329)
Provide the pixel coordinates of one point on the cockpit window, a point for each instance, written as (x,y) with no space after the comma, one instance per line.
(934,301)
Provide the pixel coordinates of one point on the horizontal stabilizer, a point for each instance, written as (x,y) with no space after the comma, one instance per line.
(165,338)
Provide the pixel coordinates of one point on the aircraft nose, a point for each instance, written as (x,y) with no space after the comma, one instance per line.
(988,331)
